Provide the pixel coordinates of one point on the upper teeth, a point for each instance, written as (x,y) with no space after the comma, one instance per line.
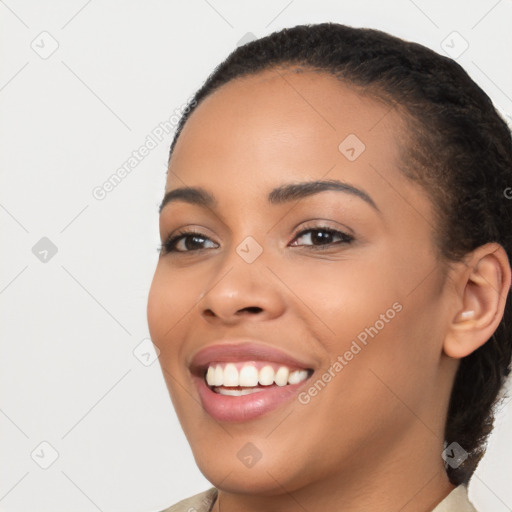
(249,376)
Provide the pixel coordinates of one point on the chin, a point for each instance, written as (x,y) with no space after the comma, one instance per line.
(236,479)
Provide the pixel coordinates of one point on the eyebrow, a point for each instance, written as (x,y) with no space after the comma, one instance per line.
(282,194)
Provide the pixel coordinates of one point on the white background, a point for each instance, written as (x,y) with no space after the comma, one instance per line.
(69,326)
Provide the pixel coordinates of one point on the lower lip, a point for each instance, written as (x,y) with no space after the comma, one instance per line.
(246,407)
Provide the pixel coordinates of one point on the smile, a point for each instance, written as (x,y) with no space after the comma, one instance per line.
(242,382)
(237,379)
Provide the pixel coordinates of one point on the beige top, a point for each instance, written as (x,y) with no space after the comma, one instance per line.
(456,501)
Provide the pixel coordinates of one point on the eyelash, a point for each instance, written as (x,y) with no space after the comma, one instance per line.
(169,246)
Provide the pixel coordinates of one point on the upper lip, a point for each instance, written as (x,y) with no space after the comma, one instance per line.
(232,351)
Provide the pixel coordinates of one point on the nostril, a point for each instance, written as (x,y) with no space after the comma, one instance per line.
(251,309)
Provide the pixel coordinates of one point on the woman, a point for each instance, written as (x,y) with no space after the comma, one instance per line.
(331,301)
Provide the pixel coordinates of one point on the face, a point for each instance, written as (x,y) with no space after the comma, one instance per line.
(309,285)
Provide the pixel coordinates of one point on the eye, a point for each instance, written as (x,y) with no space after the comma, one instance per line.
(321,237)
(186,241)
(318,238)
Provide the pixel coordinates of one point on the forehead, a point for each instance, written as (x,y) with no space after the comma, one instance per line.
(281,125)
(282,105)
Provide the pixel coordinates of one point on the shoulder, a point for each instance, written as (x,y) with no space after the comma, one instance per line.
(201,502)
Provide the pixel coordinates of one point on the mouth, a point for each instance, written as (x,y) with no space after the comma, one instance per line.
(241,382)
(245,378)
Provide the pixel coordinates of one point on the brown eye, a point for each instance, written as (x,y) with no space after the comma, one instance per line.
(187,242)
(321,237)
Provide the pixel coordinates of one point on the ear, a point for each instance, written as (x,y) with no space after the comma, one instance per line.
(485,283)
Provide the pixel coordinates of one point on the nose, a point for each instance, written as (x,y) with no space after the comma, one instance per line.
(242,292)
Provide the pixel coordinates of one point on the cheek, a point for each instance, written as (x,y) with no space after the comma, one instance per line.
(170,301)
(379,317)
(372,390)
(156,307)
(341,298)
(389,344)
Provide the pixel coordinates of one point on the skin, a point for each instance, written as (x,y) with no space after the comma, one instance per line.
(372,438)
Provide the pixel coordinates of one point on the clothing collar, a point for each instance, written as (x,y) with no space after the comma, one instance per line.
(456,501)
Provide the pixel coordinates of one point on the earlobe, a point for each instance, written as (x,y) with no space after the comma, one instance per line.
(487,278)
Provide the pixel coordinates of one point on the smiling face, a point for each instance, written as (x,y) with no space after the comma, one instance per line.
(339,279)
